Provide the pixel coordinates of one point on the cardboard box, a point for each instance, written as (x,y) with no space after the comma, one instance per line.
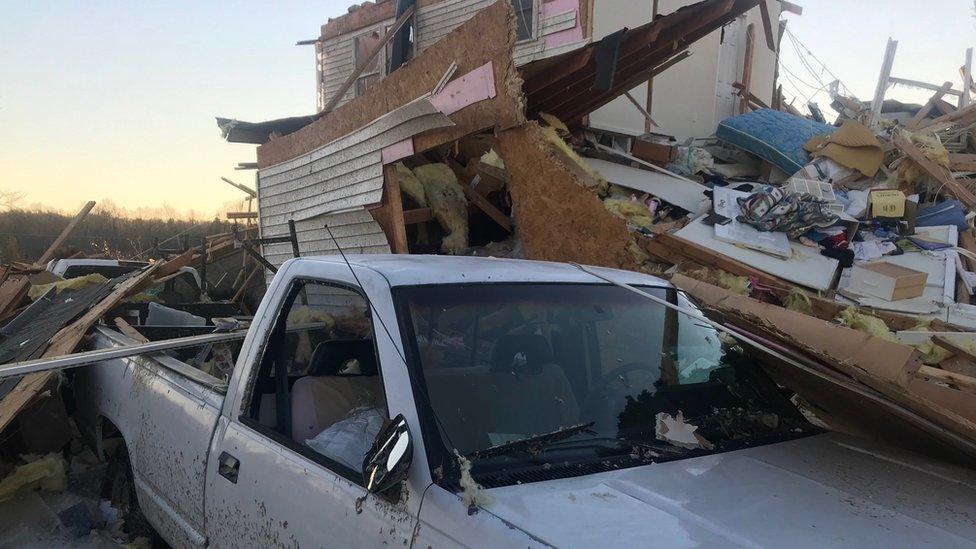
(887,281)
(656,153)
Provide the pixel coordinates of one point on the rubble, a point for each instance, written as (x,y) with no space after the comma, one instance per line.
(858,223)
(847,246)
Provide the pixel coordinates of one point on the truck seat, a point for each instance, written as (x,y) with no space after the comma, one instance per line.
(522,393)
(329,393)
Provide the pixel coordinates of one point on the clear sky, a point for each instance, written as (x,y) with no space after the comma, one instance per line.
(116,99)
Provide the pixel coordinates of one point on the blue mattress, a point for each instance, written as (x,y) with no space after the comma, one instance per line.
(775,136)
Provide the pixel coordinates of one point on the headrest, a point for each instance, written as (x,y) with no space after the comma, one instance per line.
(329,357)
(521,353)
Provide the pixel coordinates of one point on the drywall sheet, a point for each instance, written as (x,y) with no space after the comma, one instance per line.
(806,268)
(686,195)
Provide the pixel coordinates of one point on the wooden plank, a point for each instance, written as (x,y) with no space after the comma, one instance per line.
(65,342)
(389,214)
(12,293)
(956,349)
(959,162)
(967,80)
(242,215)
(963,382)
(883,82)
(79,217)
(747,68)
(963,117)
(968,242)
(482,203)
(341,92)
(420,215)
(920,115)
(244,188)
(129,331)
(767,22)
(247,283)
(935,171)
(641,109)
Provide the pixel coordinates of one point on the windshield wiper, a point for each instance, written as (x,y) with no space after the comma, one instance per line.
(533,444)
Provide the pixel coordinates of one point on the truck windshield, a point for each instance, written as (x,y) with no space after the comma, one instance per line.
(534,375)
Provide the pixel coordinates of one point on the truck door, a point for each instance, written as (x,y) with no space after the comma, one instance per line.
(287,469)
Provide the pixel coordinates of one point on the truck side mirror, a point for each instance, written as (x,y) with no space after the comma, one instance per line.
(388,461)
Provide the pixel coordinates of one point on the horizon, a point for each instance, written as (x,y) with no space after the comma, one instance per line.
(122,108)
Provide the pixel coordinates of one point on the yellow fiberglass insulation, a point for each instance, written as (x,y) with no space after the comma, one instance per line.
(492,158)
(931,353)
(446,199)
(411,185)
(910,172)
(630,211)
(44,473)
(798,301)
(596,182)
(76,283)
(873,325)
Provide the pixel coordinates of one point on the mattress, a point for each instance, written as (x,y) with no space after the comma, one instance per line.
(774,136)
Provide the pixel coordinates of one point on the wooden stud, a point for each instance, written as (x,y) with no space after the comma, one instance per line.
(487,207)
(747,68)
(389,214)
(935,171)
(920,115)
(767,21)
(79,217)
(883,82)
(129,331)
(963,382)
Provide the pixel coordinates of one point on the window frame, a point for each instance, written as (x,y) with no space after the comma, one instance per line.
(247,400)
(381,58)
(535,30)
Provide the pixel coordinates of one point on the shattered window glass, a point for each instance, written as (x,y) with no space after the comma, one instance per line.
(503,363)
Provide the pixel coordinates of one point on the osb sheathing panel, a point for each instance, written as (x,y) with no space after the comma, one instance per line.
(488,36)
(558,219)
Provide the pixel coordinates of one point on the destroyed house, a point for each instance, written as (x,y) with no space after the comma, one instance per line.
(461,150)
(687,101)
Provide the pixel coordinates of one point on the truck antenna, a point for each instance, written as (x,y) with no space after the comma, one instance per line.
(375,312)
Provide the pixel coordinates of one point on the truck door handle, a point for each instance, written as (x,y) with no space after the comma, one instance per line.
(228,466)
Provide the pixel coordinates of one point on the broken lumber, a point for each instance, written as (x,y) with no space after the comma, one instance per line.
(68,338)
(935,171)
(129,331)
(79,217)
(961,381)
(244,188)
(924,111)
(380,46)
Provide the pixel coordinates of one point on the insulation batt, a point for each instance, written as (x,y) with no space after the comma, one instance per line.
(411,185)
(46,473)
(446,199)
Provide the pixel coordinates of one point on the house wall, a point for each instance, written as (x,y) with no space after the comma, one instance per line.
(560,26)
(692,97)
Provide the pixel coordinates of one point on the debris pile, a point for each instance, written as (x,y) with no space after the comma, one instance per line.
(860,229)
(52,309)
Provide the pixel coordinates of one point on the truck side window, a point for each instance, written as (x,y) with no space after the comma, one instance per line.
(318,387)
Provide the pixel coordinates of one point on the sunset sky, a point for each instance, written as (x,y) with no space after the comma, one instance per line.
(116,100)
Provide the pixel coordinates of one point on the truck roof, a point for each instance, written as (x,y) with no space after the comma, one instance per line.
(414,270)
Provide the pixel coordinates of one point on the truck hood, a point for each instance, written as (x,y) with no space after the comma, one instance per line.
(824,490)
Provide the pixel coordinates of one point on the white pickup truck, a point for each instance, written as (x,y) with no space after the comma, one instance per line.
(532,405)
